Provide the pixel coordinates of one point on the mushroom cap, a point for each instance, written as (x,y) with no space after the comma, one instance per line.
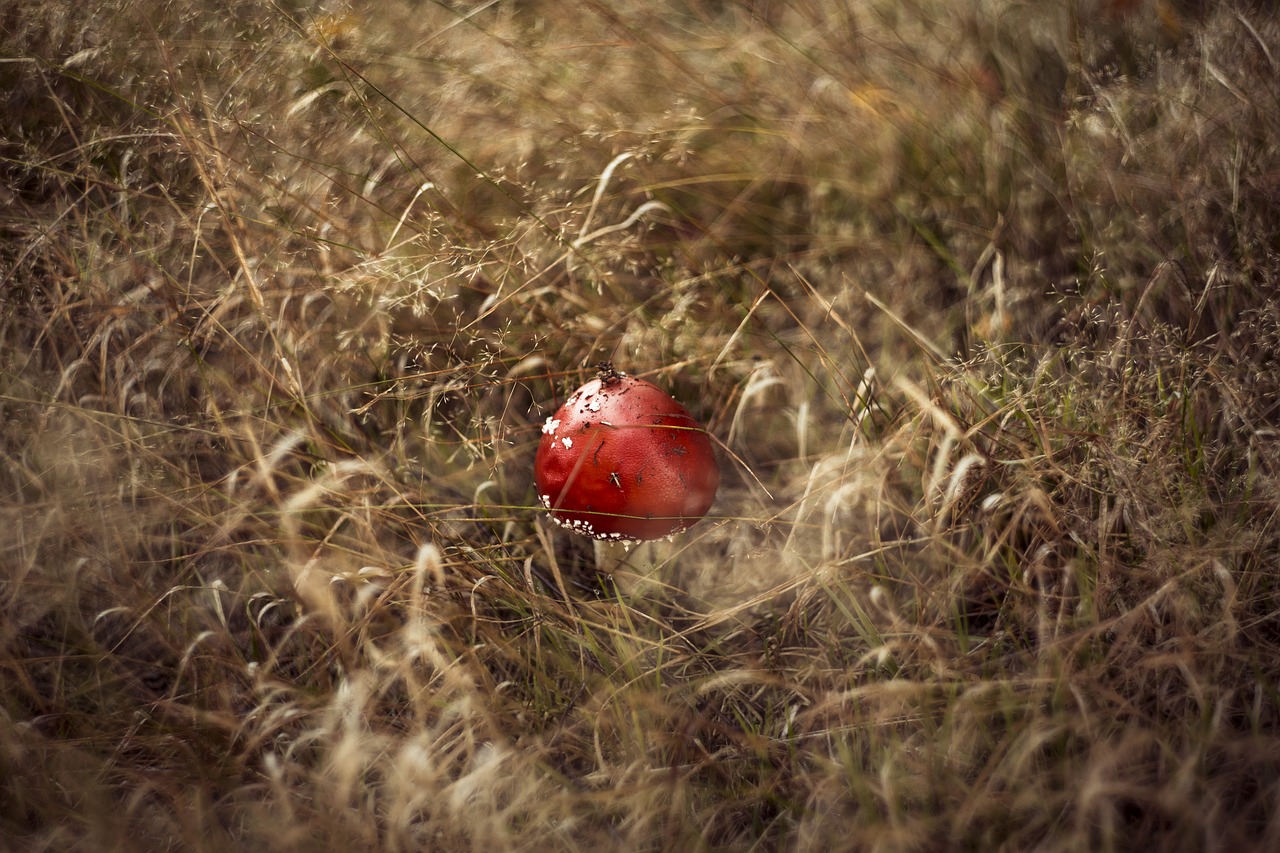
(621,460)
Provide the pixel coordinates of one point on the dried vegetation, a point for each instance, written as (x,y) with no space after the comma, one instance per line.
(979,298)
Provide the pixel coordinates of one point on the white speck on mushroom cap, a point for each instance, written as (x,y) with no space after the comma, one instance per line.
(581,525)
(568,442)
(550,427)
(594,405)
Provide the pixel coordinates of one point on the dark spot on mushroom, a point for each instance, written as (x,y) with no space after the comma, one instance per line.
(608,374)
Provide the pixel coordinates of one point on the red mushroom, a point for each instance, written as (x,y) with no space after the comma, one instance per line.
(621,460)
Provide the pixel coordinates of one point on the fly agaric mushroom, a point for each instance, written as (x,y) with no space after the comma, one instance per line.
(623,461)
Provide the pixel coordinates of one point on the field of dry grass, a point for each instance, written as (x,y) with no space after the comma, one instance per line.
(980,300)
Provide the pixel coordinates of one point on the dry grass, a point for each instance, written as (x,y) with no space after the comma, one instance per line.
(979,298)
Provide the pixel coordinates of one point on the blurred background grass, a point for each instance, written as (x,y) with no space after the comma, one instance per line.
(978,298)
